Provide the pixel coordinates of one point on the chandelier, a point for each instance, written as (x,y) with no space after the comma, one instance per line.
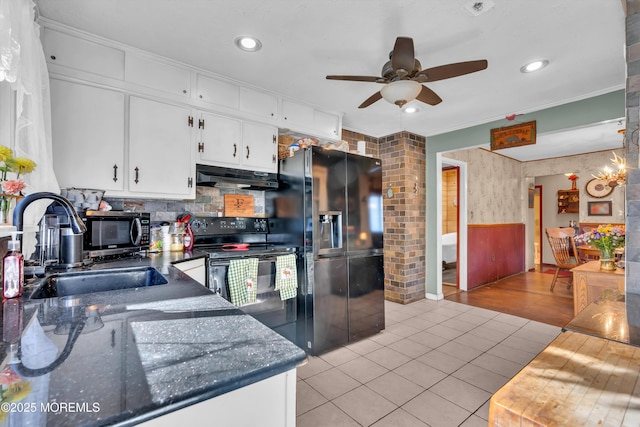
(617,175)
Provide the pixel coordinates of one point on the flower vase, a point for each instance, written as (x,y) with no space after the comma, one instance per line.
(5,208)
(607,260)
(573,184)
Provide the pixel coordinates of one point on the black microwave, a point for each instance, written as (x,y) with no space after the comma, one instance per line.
(115,233)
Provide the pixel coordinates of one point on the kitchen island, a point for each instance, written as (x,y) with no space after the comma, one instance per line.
(587,376)
(143,355)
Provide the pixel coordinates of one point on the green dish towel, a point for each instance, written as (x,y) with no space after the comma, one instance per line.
(286,276)
(243,280)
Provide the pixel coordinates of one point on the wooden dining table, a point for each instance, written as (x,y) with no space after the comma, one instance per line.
(588,252)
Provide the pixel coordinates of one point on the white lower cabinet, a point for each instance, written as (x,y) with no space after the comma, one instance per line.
(160,150)
(267,403)
(88,130)
(230,142)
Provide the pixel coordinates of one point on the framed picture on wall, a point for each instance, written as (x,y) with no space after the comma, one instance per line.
(602,208)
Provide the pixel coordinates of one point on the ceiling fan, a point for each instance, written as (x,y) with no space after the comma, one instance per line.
(403,76)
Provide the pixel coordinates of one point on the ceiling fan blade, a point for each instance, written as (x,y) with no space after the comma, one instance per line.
(403,56)
(451,70)
(355,78)
(428,96)
(373,98)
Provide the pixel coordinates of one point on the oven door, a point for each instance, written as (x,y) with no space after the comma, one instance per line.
(268,308)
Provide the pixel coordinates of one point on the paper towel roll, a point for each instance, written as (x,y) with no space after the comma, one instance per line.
(362,147)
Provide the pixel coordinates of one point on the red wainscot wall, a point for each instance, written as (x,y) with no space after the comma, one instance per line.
(494,251)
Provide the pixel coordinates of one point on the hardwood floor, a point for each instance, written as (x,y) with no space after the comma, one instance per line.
(526,295)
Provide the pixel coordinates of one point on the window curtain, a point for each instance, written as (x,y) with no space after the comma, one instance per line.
(23,66)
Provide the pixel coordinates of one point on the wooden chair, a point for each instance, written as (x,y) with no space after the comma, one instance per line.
(564,251)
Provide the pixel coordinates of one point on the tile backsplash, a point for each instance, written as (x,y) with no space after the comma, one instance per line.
(207,202)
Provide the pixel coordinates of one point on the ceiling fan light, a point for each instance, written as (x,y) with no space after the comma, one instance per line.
(400,92)
(410,109)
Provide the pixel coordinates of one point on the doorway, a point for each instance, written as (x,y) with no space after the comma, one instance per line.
(461,219)
(537,228)
(450,220)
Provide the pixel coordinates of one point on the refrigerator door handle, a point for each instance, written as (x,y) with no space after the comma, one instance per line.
(365,253)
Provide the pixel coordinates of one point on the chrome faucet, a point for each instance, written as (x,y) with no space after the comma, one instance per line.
(75,222)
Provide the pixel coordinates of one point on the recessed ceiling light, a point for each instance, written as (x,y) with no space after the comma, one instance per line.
(248,43)
(534,66)
(411,109)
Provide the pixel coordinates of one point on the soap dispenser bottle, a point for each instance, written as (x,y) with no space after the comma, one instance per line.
(13,269)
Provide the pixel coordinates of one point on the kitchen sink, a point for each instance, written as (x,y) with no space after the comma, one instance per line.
(84,282)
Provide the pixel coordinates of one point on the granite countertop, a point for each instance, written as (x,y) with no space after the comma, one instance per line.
(123,357)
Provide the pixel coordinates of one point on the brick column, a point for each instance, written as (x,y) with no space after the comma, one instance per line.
(403,165)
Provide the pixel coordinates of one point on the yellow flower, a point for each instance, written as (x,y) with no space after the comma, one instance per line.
(21,165)
(17,391)
(5,153)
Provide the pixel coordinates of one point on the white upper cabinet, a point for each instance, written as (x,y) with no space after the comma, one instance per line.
(296,114)
(88,136)
(83,55)
(160,149)
(327,124)
(228,142)
(220,141)
(260,147)
(261,104)
(156,74)
(218,92)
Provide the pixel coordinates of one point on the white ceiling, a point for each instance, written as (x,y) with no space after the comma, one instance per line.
(305,40)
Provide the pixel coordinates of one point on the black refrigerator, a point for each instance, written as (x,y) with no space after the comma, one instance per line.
(330,205)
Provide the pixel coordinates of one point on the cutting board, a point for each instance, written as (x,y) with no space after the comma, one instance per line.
(238,205)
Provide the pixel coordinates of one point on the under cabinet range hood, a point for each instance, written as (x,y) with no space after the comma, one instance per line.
(215,176)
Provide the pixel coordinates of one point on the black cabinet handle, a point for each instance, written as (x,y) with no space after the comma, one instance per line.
(235,150)
(115,173)
(247,151)
(137,174)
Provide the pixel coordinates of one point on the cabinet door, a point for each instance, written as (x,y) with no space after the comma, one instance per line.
(294,114)
(63,49)
(260,147)
(261,104)
(327,124)
(154,74)
(87,126)
(160,149)
(218,92)
(220,139)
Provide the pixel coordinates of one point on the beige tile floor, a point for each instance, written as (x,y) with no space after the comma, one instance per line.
(437,363)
